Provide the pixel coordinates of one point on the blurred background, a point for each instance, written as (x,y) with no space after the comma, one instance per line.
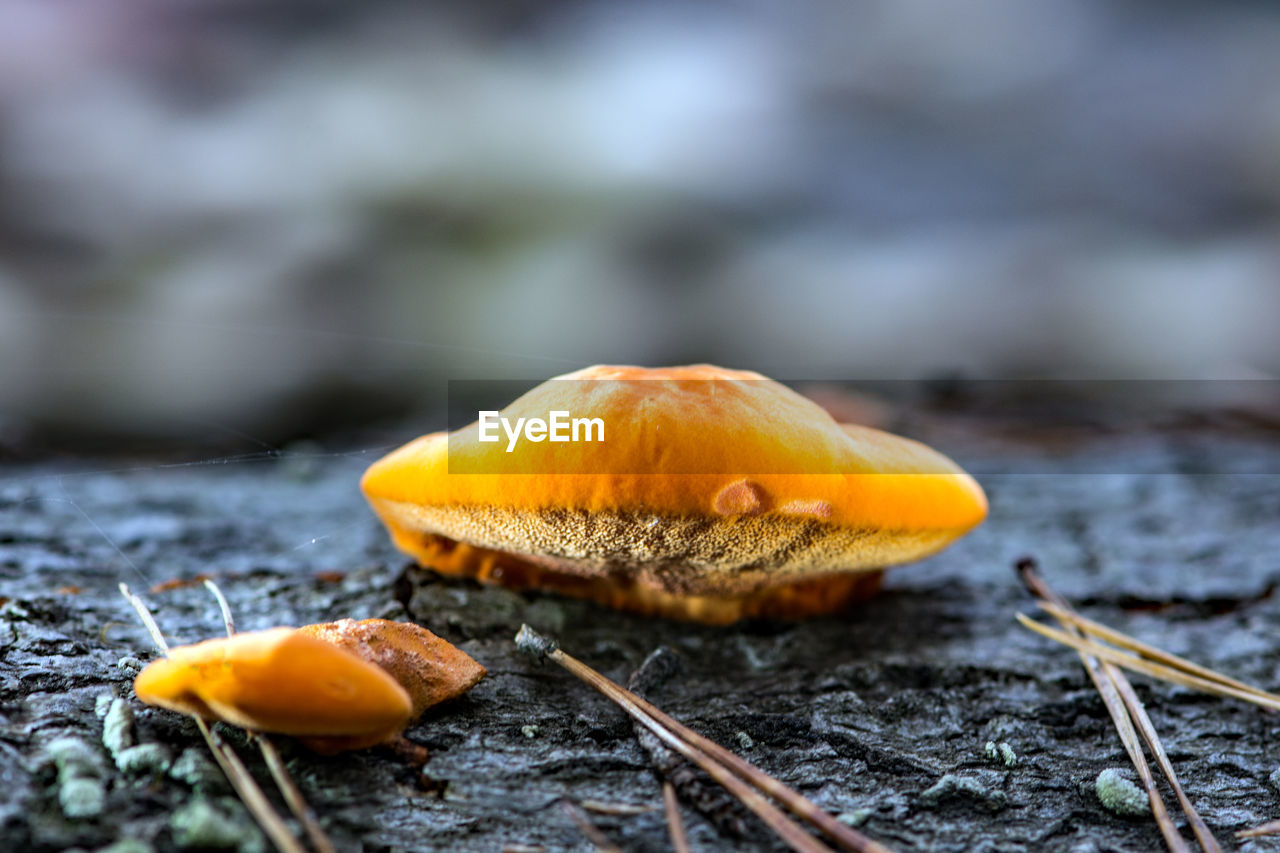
(264,217)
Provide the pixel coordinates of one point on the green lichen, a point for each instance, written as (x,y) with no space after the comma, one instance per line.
(129,664)
(144,758)
(1120,795)
(1001,752)
(74,758)
(117,727)
(744,740)
(855,818)
(529,731)
(202,824)
(195,768)
(81,793)
(82,797)
(951,786)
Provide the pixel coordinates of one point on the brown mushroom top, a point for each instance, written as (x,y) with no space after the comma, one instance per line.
(428,668)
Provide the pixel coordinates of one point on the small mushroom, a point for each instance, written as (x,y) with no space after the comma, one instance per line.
(716,495)
(284,681)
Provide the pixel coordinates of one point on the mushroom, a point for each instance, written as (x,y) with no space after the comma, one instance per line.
(281,680)
(716,495)
(334,685)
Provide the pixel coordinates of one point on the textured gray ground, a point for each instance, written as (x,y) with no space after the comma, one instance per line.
(883,713)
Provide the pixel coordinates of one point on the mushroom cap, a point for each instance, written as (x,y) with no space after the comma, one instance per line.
(711,484)
(280,680)
(430,669)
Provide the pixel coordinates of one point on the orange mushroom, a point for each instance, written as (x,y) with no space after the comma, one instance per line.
(717,495)
(284,681)
(335,685)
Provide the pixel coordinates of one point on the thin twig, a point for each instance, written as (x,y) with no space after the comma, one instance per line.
(1155,670)
(1138,713)
(237,774)
(1110,635)
(1103,676)
(675,824)
(589,829)
(227,619)
(787,829)
(797,803)
(1074,623)
(293,797)
(691,785)
(249,792)
(1271,827)
(718,762)
(148,621)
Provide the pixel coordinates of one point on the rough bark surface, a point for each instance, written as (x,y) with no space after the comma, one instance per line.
(881,715)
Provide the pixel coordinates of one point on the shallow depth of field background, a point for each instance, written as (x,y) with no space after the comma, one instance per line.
(265,216)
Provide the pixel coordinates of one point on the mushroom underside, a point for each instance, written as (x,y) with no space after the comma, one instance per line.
(717,570)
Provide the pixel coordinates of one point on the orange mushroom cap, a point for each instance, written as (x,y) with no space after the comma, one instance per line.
(717,494)
(281,680)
